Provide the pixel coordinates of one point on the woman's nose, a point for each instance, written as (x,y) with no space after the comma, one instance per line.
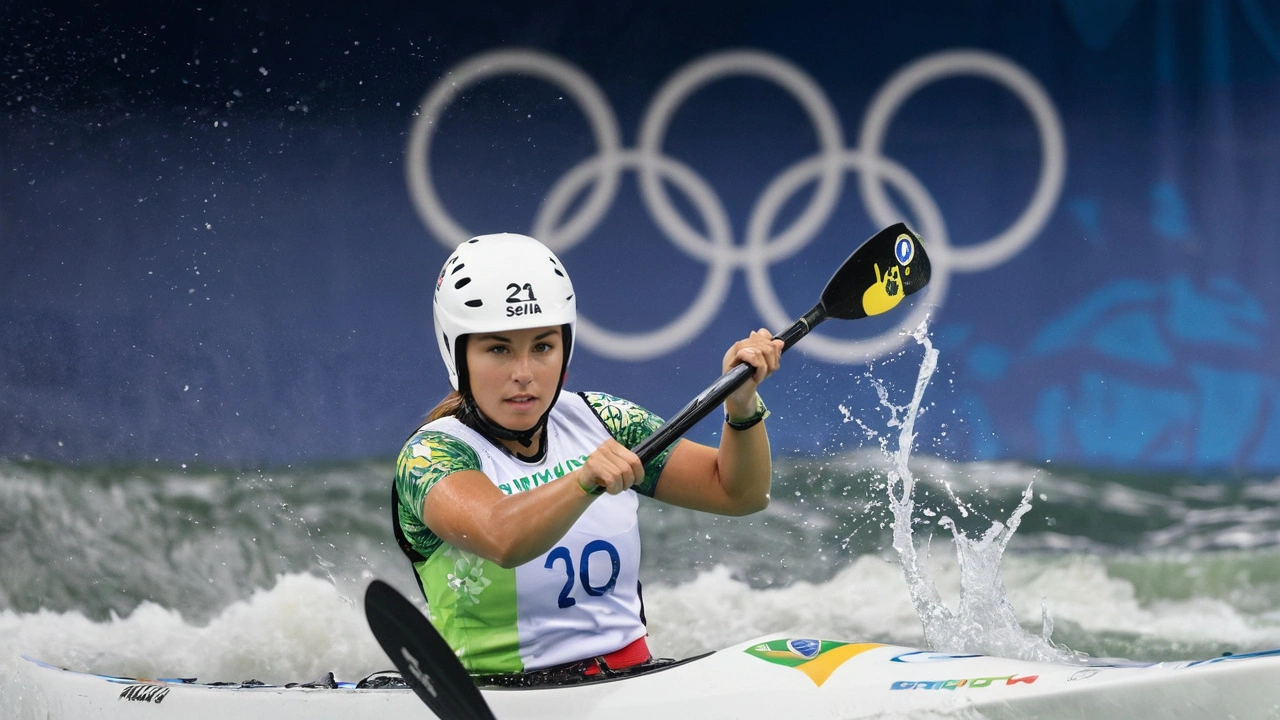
(522,372)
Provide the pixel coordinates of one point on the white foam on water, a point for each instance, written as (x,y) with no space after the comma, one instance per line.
(868,601)
(294,632)
(303,626)
(1079,589)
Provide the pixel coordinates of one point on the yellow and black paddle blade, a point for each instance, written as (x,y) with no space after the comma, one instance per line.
(885,269)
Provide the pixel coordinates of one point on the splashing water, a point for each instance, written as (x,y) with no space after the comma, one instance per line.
(985,621)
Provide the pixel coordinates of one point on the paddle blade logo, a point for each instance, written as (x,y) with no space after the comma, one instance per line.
(424,680)
(905,249)
(815,658)
(886,293)
(892,285)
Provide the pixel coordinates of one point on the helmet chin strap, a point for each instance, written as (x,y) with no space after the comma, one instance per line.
(471,415)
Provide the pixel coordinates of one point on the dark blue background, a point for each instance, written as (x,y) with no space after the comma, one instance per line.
(208,251)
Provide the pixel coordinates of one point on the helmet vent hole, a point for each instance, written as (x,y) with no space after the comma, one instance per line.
(570,297)
(461,283)
(474,303)
(456,269)
(473,240)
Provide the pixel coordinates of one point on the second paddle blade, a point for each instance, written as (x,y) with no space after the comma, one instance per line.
(423,657)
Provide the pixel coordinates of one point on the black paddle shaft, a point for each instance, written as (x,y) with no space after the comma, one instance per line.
(713,396)
(886,268)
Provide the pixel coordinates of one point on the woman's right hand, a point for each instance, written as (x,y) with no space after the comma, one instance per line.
(613,467)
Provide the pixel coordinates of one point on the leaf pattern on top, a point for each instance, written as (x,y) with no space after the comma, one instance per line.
(630,424)
(428,457)
(467,578)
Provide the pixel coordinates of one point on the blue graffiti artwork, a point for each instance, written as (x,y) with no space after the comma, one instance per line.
(1168,212)
(1087,211)
(1152,383)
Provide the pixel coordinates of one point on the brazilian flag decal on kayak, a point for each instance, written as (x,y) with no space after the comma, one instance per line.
(815,658)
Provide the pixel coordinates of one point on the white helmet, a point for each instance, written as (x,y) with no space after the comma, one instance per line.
(500,282)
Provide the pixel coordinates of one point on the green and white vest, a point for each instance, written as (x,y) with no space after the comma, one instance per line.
(578,600)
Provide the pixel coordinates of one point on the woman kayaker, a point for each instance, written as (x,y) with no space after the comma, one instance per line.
(511,501)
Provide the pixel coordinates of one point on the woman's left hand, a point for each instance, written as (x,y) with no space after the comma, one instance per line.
(763,353)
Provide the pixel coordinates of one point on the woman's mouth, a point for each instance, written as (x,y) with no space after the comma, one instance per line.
(521,402)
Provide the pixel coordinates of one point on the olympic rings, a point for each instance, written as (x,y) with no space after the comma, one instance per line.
(759,251)
(604,126)
(1052,144)
(788,77)
(622,346)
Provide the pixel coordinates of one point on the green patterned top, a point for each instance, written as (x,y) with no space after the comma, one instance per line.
(430,456)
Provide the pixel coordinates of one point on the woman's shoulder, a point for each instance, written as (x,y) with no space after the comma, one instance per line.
(619,414)
(433,450)
(434,436)
(597,400)
(608,406)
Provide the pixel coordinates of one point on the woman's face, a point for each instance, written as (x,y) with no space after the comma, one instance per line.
(514,374)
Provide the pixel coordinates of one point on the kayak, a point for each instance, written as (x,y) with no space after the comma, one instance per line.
(768,677)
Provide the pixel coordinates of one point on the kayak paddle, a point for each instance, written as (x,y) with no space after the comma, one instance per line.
(886,268)
(423,658)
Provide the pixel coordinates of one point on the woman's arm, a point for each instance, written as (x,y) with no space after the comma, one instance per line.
(467,511)
(733,479)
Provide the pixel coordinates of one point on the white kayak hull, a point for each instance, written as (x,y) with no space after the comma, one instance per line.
(766,678)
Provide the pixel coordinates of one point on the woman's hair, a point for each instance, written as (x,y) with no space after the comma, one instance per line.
(450,406)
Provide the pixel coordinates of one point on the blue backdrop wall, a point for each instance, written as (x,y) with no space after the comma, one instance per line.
(220,225)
